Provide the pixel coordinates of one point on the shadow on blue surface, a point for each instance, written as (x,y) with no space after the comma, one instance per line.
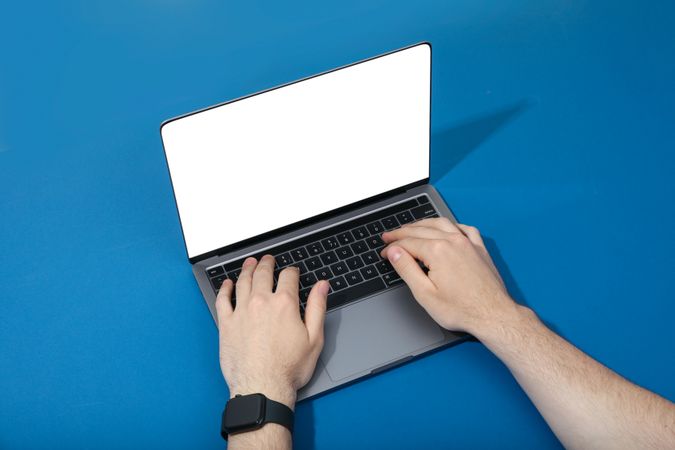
(449,147)
(504,271)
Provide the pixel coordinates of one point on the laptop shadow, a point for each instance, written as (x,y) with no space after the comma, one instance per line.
(449,147)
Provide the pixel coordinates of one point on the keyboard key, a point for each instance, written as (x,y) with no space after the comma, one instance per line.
(232,265)
(300,265)
(354,278)
(315,248)
(338,283)
(345,238)
(329,258)
(304,295)
(375,241)
(330,243)
(344,252)
(313,263)
(389,223)
(299,254)
(369,272)
(214,271)
(339,268)
(339,298)
(360,233)
(375,227)
(422,199)
(371,257)
(404,217)
(308,279)
(392,278)
(384,267)
(423,211)
(218,281)
(359,247)
(284,259)
(324,273)
(234,275)
(354,263)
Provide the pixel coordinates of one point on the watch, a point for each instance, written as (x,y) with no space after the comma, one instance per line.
(251,412)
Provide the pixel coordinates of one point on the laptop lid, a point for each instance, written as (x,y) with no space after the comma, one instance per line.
(248,168)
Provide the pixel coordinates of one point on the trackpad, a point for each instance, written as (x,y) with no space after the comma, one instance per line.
(376,331)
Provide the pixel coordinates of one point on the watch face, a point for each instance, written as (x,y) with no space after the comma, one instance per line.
(245,411)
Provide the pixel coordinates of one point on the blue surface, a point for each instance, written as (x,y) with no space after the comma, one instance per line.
(553,132)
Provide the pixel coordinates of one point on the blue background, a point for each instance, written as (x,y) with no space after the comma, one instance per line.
(553,132)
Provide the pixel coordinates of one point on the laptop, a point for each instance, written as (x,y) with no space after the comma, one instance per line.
(313,172)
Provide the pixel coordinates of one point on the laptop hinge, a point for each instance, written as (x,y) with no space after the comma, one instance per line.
(304,223)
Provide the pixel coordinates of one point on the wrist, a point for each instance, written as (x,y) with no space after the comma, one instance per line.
(509,314)
(279,392)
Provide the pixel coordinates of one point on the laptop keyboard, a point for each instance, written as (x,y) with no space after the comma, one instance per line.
(347,255)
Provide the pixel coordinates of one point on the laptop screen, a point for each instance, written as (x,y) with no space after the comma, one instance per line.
(260,163)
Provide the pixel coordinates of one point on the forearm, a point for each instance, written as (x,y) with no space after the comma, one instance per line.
(585,404)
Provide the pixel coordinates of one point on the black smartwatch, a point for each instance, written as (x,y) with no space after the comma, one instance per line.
(251,412)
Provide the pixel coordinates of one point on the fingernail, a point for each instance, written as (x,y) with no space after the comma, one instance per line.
(323,288)
(250,260)
(394,253)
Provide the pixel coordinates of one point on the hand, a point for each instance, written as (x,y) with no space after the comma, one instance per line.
(264,345)
(463,290)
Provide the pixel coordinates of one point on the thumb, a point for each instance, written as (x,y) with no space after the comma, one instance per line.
(406,266)
(315,312)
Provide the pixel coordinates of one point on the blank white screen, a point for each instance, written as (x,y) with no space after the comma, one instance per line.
(273,159)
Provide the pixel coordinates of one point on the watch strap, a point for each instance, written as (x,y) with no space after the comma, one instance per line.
(280,414)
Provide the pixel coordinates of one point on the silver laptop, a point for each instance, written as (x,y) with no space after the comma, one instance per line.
(313,172)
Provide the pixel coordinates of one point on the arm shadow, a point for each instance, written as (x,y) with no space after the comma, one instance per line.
(510,282)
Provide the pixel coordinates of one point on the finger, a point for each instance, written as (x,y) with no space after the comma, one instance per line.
(288,280)
(440,223)
(263,276)
(224,301)
(243,286)
(406,266)
(418,248)
(417,232)
(315,313)
(472,233)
